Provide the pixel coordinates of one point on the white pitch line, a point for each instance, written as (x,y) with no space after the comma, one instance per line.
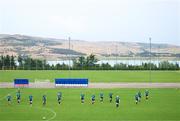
(47,109)
(53,113)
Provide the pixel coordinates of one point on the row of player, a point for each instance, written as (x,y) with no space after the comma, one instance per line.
(138,96)
(82,97)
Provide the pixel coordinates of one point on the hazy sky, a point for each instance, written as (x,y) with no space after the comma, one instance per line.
(102,20)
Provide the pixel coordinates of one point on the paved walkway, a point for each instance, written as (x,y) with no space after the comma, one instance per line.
(101,85)
(134,85)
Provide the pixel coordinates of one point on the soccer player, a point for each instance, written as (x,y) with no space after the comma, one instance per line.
(30,99)
(136,98)
(59,97)
(82,98)
(9,99)
(101,97)
(93,99)
(110,96)
(147,94)
(44,100)
(139,96)
(18,95)
(117,101)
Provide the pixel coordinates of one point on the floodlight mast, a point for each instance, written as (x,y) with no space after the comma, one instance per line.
(150,60)
(116,55)
(69,56)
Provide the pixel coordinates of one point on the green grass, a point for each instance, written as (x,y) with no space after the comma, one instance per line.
(163,105)
(94,76)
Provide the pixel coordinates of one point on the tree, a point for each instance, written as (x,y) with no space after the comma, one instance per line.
(7,61)
(91,60)
(1,62)
(82,61)
(105,66)
(20,61)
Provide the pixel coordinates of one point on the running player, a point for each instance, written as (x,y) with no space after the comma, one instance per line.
(101,97)
(18,95)
(30,99)
(59,97)
(93,99)
(44,100)
(110,96)
(82,98)
(147,94)
(117,101)
(136,98)
(9,99)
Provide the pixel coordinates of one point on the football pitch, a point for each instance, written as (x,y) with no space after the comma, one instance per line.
(92,75)
(163,105)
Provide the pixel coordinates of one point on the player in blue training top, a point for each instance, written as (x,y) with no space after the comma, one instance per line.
(18,95)
(136,98)
(82,98)
(147,94)
(117,101)
(9,99)
(30,99)
(59,97)
(110,97)
(44,99)
(139,96)
(101,97)
(93,99)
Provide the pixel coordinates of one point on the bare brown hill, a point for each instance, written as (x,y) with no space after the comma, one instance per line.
(51,48)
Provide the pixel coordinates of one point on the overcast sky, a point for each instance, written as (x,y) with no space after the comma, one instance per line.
(93,20)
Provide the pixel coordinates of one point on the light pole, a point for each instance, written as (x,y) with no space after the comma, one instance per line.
(116,49)
(69,56)
(150,60)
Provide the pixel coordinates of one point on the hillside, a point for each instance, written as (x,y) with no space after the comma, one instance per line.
(51,48)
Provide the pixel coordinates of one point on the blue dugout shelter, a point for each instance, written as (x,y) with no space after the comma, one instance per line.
(71,82)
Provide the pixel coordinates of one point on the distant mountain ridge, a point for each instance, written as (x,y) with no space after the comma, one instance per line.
(52,48)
